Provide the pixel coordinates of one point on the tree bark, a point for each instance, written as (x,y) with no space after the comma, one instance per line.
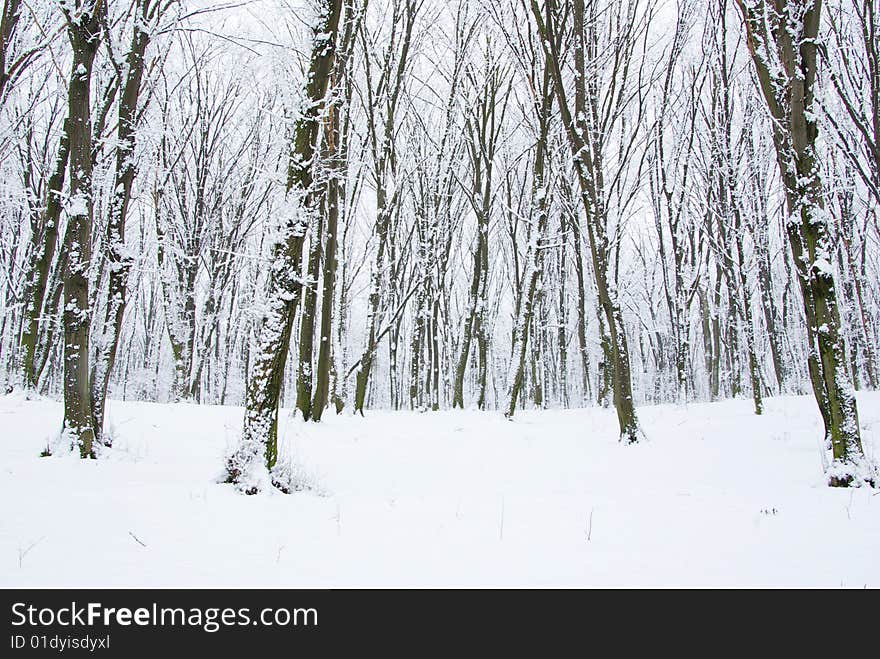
(84,32)
(251,464)
(782,40)
(587,156)
(325,348)
(43,261)
(534,254)
(118,255)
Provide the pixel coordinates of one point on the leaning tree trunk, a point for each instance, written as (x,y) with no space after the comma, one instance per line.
(251,466)
(119,257)
(534,256)
(782,40)
(43,262)
(587,156)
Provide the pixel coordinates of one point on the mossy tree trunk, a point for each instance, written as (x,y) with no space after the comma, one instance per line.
(783,42)
(250,466)
(46,244)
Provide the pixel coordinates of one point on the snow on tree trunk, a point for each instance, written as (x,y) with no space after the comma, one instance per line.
(84,32)
(783,41)
(118,254)
(253,464)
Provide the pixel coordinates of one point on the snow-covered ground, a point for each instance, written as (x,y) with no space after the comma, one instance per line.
(717,497)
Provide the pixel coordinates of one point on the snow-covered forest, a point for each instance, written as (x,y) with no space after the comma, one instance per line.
(307,213)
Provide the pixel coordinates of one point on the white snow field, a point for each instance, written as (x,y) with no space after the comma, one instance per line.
(716,497)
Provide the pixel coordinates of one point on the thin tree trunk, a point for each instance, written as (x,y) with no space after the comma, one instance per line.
(325,349)
(588,167)
(117,253)
(43,262)
(304,375)
(754,368)
(534,254)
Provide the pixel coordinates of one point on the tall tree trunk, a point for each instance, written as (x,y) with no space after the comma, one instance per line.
(761,240)
(765,281)
(483,131)
(84,31)
(754,368)
(715,376)
(534,254)
(328,291)
(382,138)
(473,327)
(362,378)
(251,464)
(304,374)
(783,40)
(583,351)
(119,257)
(868,342)
(587,156)
(43,262)
(562,318)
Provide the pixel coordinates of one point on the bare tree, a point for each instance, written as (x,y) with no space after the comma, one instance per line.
(146,16)
(251,463)
(782,39)
(84,29)
(484,132)
(608,82)
(384,90)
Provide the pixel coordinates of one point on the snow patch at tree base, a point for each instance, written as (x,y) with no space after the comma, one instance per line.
(857,473)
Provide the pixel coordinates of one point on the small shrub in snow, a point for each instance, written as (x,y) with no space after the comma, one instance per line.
(289,476)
